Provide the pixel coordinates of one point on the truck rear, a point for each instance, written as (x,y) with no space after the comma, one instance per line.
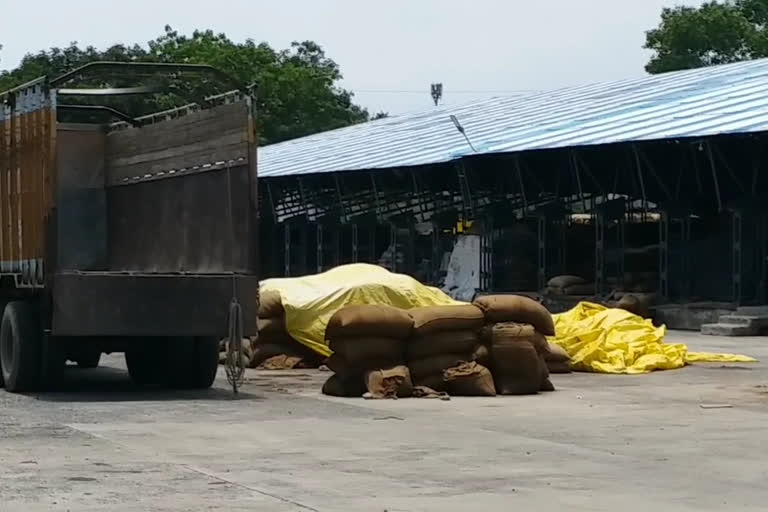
(131,236)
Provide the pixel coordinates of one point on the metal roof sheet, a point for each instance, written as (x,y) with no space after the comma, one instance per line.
(709,101)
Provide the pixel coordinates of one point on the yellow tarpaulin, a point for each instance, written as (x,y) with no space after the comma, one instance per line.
(604,340)
(310,301)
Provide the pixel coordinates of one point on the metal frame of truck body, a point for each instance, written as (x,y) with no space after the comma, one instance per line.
(129,231)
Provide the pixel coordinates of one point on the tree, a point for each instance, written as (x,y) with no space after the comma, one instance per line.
(298,92)
(715,33)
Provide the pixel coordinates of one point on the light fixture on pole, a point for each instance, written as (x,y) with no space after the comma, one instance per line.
(459,127)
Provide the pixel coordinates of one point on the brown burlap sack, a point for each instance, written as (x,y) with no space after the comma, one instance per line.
(368,348)
(580,289)
(389,382)
(557,360)
(369,320)
(435,382)
(337,385)
(449,342)
(517,369)
(634,305)
(270,304)
(339,364)
(556,353)
(558,367)
(272,327)
(516,308)
(565,281)
(435,365)
(282,362)
(435,319)
(264,351)
(510,331)
(482,356)
(469,379)
(546,383)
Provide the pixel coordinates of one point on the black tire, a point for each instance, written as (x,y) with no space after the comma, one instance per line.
(20,347)
(88,359)
(194,362)
(148,364)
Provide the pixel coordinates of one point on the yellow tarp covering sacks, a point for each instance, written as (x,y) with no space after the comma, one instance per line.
(604,340)
(310,301)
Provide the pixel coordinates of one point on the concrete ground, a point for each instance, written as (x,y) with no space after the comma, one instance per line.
(652,442)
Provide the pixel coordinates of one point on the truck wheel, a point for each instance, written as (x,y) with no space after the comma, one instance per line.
(20,339)
(88,360)
(194,362)
(148,367)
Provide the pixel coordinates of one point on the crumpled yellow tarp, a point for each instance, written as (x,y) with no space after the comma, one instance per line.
(310,301)
(605,340)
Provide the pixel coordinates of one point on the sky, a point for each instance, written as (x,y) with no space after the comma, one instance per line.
(389,52)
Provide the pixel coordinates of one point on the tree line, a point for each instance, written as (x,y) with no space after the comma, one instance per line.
(298,87)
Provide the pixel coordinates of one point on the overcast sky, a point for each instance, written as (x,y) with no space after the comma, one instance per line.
(388,51)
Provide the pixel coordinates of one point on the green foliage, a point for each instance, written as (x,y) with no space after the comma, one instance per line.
(297,87)
(715,33)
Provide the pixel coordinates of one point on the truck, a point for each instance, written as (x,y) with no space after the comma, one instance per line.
(125,233)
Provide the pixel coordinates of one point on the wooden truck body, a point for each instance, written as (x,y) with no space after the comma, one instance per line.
(130,236)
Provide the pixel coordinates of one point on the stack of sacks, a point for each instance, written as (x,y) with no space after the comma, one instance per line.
(443,343)
(517,327)
(569,285)
(368,344)
(518,359)
(275,348)
(558,360)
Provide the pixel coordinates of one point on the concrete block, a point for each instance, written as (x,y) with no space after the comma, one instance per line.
(722,329)
(758,322)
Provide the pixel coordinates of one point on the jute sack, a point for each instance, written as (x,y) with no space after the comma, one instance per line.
(272,328)
(282,362)
(289,347)
(369,320)
(482,356)
(565,281)
(546,383)
(517,368)
(270,304)
(516,308)
(435,319)
(435,382)
(337,363)
(435,365)
(368,348)
(449,342)
(634,305)
(469,379)
(337,385)
(580,289)
(510,331)
(558,360)
(389,382)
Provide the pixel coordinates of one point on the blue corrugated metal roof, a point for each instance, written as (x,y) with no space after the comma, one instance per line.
(717,100)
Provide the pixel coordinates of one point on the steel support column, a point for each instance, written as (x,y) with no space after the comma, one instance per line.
(319,248)
(664,255)
(287,252)
(736,223)
(599,253)
(541,223)
(354,243)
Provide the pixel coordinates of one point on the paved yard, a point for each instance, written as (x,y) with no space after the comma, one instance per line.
(599,443)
